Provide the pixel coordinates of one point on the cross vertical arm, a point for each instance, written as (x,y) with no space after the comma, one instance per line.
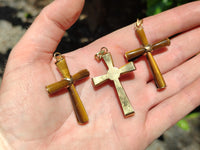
(124,101)
(79,109)
(158,78)
(108,60)
(140,32)
(62,65)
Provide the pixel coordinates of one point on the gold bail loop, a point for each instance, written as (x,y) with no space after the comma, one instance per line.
(58,56)
(139,23)
(102,52)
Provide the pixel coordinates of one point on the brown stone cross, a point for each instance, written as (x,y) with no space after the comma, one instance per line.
(114,74)
(147,49)
(68,82)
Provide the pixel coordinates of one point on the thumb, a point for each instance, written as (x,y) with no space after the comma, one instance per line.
(45,33)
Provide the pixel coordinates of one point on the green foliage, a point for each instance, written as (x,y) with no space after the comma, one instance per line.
(157,6)
(183,124)
(27,15)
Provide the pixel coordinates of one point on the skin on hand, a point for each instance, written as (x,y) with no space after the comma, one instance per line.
(31,119)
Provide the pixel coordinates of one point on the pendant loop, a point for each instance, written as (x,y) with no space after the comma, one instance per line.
(102,52)
(58,56)
(139,23)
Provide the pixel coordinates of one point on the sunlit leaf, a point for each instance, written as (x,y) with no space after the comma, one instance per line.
(183,124)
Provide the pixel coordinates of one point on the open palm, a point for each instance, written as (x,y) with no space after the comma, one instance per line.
(31,119)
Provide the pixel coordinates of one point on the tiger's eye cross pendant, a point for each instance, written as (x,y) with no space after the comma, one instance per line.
(114,74)
(68,82)
(147,49)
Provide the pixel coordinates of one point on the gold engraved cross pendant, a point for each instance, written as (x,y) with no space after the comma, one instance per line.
(147,49)
(114,74)
(68,82)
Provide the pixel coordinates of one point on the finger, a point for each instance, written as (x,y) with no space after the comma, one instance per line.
(179,51)
(163,25)
(177,79)
(45,33)
(157,28)
(173,109)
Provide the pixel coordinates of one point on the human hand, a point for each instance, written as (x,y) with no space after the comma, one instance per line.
(31,119)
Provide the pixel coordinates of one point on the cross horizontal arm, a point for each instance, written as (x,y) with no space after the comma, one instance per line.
(100,79)
(65,83)
(127,68)
(81,75)
(55,87)
(160,44)
(134,54)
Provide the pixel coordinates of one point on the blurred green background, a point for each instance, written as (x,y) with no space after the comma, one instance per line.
(157,6)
